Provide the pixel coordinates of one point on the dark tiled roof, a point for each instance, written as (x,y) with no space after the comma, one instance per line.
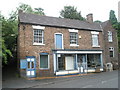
(103,24)
(57,22)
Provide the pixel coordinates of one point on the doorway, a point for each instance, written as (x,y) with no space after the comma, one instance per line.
(31,67)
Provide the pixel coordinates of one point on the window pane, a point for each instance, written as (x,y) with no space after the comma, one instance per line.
(73,38)
(111,53)
(38,36)
(109,36)
(28,64)
(95,40)
(32,64)
(43,61)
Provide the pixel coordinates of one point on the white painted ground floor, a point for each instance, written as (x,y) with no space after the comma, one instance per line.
(74,62)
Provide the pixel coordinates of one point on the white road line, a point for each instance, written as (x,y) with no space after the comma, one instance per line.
(103,82)
(108,80)
(87,86)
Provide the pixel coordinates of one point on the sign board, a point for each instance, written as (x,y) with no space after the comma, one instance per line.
(23,64)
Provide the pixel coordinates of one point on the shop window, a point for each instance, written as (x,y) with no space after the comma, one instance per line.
(61,62)
(93,60)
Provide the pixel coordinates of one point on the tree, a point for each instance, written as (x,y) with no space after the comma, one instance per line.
(10,31)
(98,21)
(5,51)
(71,13)
(39,11)
(113,19)
(115,24)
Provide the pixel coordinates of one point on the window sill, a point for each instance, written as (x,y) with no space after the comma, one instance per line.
(74,45)
(95,46)
(38,44)
(44,68)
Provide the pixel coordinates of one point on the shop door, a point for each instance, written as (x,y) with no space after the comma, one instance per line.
(69,63)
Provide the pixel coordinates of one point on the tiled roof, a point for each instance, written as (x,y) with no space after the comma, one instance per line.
(57,22)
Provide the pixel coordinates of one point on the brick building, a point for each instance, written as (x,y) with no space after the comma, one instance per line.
(49,46)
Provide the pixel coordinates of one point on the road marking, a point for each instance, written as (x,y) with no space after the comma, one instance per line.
(87,86)
(103,82)
(108,80)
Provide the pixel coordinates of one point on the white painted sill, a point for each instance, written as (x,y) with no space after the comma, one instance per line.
(74,45)
(44,68)
(95,46)
(38,44)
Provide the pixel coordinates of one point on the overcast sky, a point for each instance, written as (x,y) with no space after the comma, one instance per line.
(99,8)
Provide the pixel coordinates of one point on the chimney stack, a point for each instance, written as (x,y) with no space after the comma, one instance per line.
(90,18)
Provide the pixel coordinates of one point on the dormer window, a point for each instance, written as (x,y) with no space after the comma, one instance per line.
(110,36)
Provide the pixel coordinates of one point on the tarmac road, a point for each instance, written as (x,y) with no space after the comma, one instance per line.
(100,80)
(97,80)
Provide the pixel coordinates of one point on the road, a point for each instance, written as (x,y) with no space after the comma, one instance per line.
(97,80)
(101,80)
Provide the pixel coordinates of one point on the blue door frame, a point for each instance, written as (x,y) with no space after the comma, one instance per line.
(31,66)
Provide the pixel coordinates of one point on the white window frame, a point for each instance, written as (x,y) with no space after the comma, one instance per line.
(74,31)
(111,49)
(38,28)
(93,34)
(48,62)
(110,38)
(62,40)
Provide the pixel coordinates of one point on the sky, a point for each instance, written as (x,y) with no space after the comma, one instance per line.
(99,8)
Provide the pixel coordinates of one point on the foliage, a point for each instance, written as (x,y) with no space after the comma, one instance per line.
(5,52)
(71,13)
(116,25)
(98,21)
(112,17)
(10,31)
(28,9)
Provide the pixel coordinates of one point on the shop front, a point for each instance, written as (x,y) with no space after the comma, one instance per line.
(67,62)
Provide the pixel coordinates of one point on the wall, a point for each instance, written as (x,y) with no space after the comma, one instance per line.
(113,44)
(26,47)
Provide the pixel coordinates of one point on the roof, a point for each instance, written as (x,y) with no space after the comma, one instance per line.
(103,24)
(57,22)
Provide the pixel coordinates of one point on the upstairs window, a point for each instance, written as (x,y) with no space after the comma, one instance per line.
(111,51)
(38,36)
(110,36)
(73,38)
(95,42)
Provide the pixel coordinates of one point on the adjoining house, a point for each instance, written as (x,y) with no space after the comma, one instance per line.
(50,46)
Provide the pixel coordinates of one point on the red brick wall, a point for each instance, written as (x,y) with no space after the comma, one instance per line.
(26,47)
(113,44)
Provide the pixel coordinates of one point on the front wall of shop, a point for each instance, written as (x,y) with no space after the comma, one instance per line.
(26,47)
